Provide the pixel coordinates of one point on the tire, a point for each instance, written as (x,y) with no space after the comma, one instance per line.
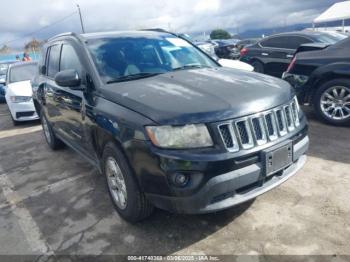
(333,107)
(258,67)
(128,199)
(14,122)
(50,137)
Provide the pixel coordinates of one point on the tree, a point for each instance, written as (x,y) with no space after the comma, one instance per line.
(220,34)
(32,45)
(5,49)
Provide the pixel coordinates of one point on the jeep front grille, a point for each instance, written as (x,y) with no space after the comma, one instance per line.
(258,129)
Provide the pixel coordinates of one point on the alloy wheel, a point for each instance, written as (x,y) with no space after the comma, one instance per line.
(335,103)
(116,183)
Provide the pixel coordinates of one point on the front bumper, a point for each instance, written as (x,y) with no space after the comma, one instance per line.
(23,111)
(232,188)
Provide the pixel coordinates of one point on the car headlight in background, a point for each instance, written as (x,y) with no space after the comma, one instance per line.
(188,136)
(20,99)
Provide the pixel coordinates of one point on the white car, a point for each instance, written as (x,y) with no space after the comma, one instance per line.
(19,91)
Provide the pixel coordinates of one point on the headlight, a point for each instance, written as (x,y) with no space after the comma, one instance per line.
(188,136)
(20,99)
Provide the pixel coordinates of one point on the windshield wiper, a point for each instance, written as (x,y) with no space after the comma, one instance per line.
(191,66)
(132,77)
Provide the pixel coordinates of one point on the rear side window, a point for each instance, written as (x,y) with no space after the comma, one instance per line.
(287,42)
(53,61)
(70,59)
(295,41)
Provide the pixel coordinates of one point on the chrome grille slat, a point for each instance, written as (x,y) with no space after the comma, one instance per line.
(258,129)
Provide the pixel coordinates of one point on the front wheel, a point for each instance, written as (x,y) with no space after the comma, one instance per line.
(126,195)
(51,139)
(332,102)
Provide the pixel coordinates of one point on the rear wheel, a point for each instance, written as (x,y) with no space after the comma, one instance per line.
(126,195)
(51,139)
(258,67)
(332,102)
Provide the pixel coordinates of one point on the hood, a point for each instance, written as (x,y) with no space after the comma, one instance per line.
(23,88)
(200,95)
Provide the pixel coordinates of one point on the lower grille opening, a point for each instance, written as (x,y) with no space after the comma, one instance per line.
(24,114)
(221,197)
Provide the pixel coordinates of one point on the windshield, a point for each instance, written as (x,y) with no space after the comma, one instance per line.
(22,73)
(124,58)
(330,38)
(3,69)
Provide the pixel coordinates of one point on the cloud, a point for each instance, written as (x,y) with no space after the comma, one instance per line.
(19,17)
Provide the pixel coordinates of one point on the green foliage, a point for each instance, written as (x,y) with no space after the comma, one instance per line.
(220,34)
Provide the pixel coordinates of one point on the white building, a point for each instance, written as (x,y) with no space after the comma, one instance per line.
(337,12)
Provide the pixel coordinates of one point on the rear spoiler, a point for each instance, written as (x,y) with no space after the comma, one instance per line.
(311,47)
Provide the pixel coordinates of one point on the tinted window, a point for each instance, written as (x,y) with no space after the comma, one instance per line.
(295,41)
(289,42)
(22,73)
(53,61)
(69,59)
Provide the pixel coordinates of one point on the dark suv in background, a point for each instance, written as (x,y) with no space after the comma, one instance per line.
(322,78)
(165,124)
(272,55)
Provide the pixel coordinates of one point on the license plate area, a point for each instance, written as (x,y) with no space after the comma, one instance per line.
(277,158)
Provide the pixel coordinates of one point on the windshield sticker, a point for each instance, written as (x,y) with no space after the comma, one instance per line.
(178,42)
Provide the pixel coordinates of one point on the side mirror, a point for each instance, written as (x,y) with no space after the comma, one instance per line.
(69,78)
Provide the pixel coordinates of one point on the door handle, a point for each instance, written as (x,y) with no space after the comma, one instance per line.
(264,54)
(289,56)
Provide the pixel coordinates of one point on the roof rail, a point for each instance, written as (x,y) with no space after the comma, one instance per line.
(161,30)
(64,34)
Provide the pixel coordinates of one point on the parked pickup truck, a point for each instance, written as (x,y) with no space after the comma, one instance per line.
(165,123)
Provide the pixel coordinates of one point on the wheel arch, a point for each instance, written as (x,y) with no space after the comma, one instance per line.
(326,74)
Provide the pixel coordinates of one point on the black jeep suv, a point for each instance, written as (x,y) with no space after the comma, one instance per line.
(165,124)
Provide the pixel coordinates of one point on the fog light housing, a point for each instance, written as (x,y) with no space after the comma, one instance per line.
(180,179)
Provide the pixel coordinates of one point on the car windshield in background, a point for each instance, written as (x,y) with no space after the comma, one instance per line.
(22,73)
(3,69)
(130,58)
(330,38)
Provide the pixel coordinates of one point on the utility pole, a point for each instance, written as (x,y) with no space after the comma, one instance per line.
(81,20)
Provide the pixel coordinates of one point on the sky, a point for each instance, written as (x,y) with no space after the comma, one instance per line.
(19,18)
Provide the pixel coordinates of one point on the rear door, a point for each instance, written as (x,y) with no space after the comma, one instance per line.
(278,51)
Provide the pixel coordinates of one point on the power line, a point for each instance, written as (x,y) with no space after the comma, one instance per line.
(40,29)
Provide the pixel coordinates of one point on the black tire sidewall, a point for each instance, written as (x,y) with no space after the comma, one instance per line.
(258,65)
(54,143)
(317,98)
